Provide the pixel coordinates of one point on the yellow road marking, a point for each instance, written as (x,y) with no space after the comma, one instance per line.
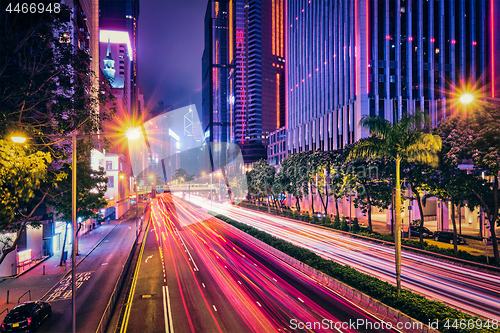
(134,283)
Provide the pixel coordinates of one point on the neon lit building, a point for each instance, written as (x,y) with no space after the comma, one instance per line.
(244,73)
(257,74)
(123,15)
(346,59)
(215,66)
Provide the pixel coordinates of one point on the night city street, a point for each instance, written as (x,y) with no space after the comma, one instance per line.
(249,166)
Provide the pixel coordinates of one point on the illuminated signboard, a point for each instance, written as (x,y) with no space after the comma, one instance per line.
(23,256)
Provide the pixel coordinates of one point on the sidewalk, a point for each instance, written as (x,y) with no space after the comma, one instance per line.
(39,284)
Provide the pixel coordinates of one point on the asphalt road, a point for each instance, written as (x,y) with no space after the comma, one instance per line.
(201,276)
(96,278)
(467,289)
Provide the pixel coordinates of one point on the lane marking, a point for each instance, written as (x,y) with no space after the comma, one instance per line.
(167,312)
(203,285)
(170,312)
(128,308)
(149,257)
(214,307)
(165,309)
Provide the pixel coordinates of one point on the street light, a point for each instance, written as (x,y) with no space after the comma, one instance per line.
(18,138)
(466,98)
(219,174)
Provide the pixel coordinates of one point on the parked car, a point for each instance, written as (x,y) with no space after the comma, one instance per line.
(447,237)
(26,317)
(415,232)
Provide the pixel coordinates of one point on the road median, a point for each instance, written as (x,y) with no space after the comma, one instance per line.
(379,297)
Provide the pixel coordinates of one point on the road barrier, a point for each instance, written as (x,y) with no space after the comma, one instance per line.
(108,312)
(371,305)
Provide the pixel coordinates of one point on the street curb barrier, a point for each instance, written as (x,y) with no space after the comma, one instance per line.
(354,296)
(115,295)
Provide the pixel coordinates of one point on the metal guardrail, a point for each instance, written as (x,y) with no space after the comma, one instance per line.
(19,299)
(7,309)
(33,261)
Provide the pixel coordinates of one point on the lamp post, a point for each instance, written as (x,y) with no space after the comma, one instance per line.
(211,191)
(74,137)
(136,206)
(219,174)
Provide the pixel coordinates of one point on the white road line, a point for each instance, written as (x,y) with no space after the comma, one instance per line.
(189,253)
(165,309)
(300,299)
(203,285)
(214,307)
(169,326)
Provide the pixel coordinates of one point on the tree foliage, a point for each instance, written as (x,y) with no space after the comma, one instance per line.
(401,141)
(47,91)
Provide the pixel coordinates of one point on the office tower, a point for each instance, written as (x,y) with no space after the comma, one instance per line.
(257,75)
(215,117)
(346,59)
(123,15)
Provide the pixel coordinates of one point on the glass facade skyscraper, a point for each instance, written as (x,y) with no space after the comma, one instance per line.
(244,93)
(215,67)
(349,58)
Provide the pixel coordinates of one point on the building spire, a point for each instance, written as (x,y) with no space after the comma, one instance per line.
(108,52)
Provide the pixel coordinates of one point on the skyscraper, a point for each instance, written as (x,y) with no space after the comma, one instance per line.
(123,15)
(245,85)
(215,115)
(352,58)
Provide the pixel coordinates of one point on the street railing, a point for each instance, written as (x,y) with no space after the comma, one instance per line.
(28,292)
(34,260)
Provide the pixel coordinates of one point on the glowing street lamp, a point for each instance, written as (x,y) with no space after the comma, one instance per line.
(18,138)
(133,133)
(466,98)
(203,173)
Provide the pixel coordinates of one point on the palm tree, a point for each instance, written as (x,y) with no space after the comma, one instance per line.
(403,140)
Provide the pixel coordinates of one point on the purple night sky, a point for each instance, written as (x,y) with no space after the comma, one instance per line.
(170,47)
